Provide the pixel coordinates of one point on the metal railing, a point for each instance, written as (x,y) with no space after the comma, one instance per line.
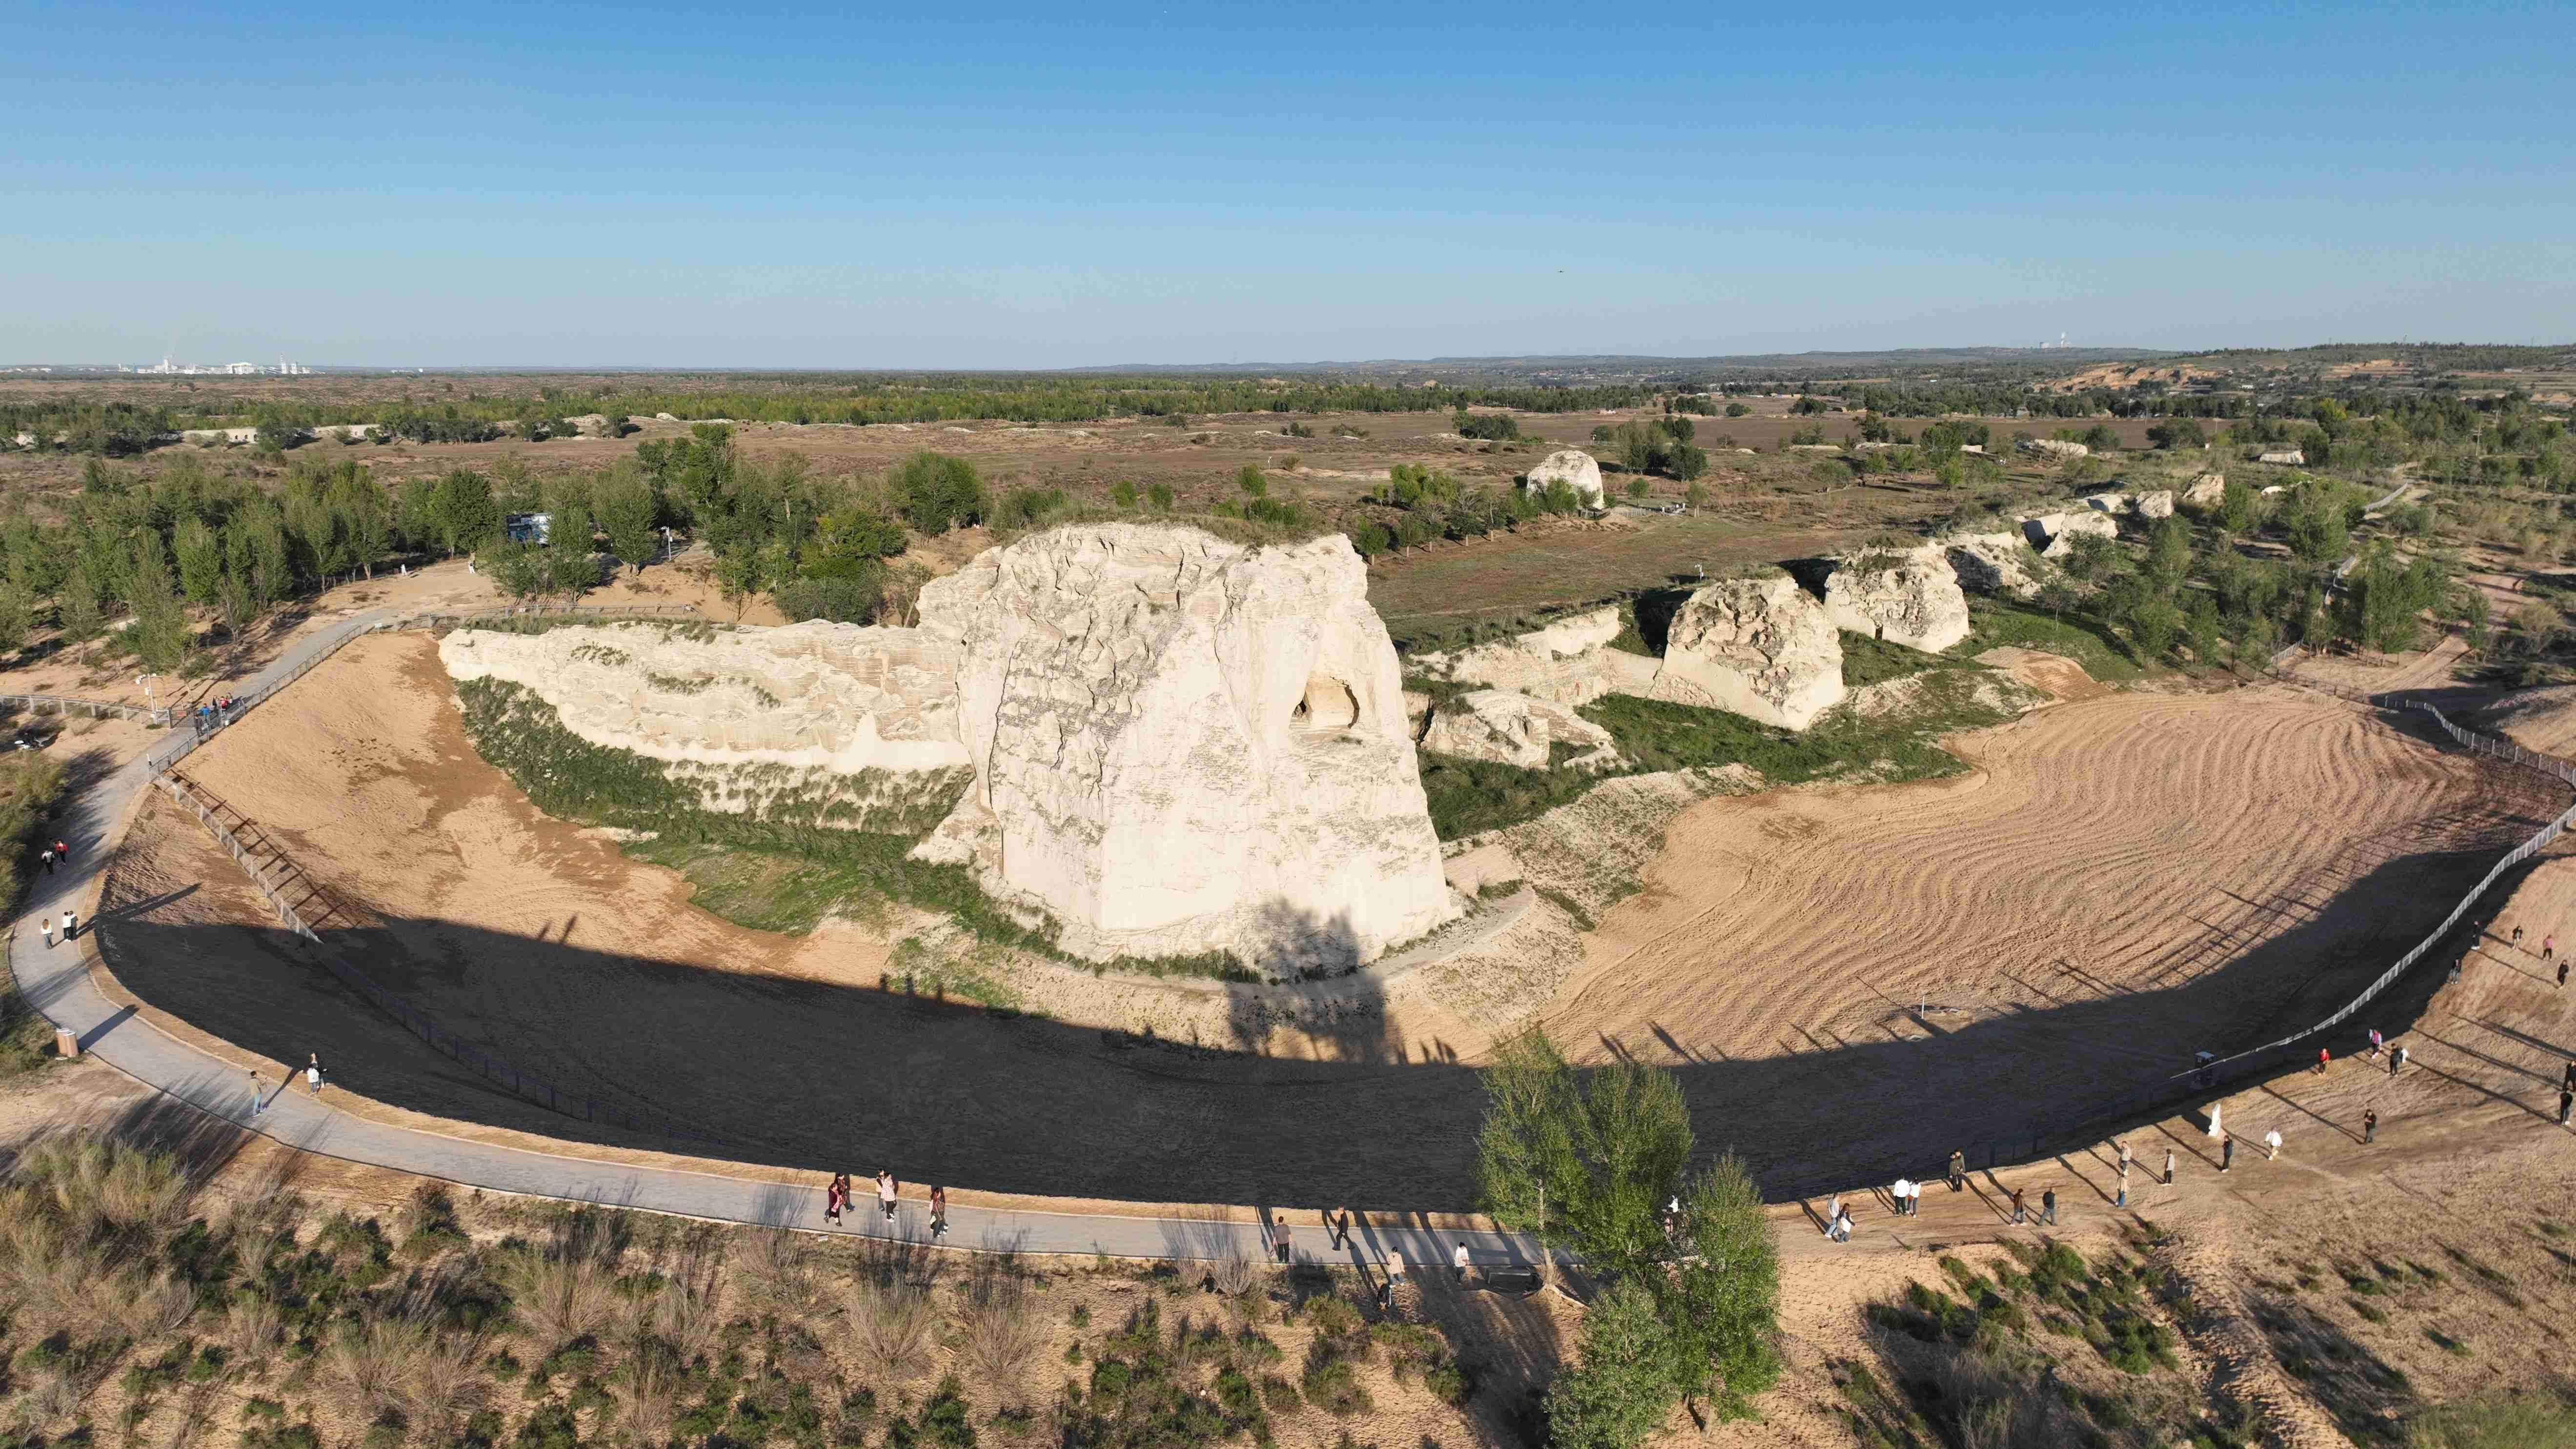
(260,857)
(94,708)
(2505,750)
(164,756)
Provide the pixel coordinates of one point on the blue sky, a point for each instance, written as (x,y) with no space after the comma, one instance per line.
(1040,186)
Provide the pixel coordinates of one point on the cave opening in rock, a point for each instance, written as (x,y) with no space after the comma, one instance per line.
(1327,704)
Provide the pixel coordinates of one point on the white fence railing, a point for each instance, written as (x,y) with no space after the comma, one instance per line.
(94,708)
(2505,750)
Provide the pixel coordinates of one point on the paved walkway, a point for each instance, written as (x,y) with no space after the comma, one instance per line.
(55,982)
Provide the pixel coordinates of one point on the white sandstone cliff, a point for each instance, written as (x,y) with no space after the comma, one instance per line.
(1184,745)
(1994,563)
(1761,647)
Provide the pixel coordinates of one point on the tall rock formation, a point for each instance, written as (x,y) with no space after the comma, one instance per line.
(1760,647)
(1184,745)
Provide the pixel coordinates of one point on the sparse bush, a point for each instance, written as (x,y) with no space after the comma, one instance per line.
(893,1325)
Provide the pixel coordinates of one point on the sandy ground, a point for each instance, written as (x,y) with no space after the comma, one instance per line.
(2120,883)
(574,963)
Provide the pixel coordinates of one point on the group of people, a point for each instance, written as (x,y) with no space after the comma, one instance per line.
(836,1200)
(214,713)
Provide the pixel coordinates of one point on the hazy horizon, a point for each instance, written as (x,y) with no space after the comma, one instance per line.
(1026,188)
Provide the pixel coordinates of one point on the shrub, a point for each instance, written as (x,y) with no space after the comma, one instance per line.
(1333,1386)
(893,1325)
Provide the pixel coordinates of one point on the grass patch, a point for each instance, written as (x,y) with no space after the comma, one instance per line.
(1471,796)
(765,890)
(1868,661)
(1993,623)
(2537,1421)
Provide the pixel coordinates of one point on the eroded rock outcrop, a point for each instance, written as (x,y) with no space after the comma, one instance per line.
(1994,563)
(1910,598)
(858,727)
(2206,490)
(1763,648)
(1574,468)
(2156,504)
(1184,745)
(1163,743)
(2055,448)
(1569,662)
(1496,724)
(2054,534)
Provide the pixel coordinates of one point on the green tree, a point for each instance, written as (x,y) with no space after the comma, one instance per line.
(1621,1388)
(2319,534)
(1696,495)
(1722,1300)
(161,636)
(77,608)
(627,514)
(1160,495)
(2169,548)
(255,551)
(2239,507)
(936,492)
(515,568)
(739,575)
(17,616)
(200,553)
(462,511)
(236,607)
(1593,1159)
(1123,493)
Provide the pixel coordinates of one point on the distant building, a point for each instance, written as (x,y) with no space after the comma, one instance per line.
(2295,458)
(528,527)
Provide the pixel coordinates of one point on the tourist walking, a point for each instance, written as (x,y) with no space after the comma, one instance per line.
(2048,1206)
(256,1102)
(836,1196)
(2272,1145)
(2517,935)
(1458,1262)
(2169,1166)
(46,924)
(885,1192)
(1958,1168)
(2549,947)
(2370,1126)
(1833,1213)
(2396,1060)
(2123,1145)
(313,1074)
(2567,1078)
(1393,1269)
(1279,1239)
(1914,1201)
(62,852)
(2018,1215)
(1341,1230)
(71,926)
(2374,1043)
(938,1211)
(2123,1199)
(1903,1189)
(2226,1154)
(2566,1103)
(2562,975)
(2323,1057)
(47,856)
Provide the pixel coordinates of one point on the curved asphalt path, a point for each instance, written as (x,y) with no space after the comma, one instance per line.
(57,984)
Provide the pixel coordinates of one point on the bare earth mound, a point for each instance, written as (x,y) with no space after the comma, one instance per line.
(2202,863)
